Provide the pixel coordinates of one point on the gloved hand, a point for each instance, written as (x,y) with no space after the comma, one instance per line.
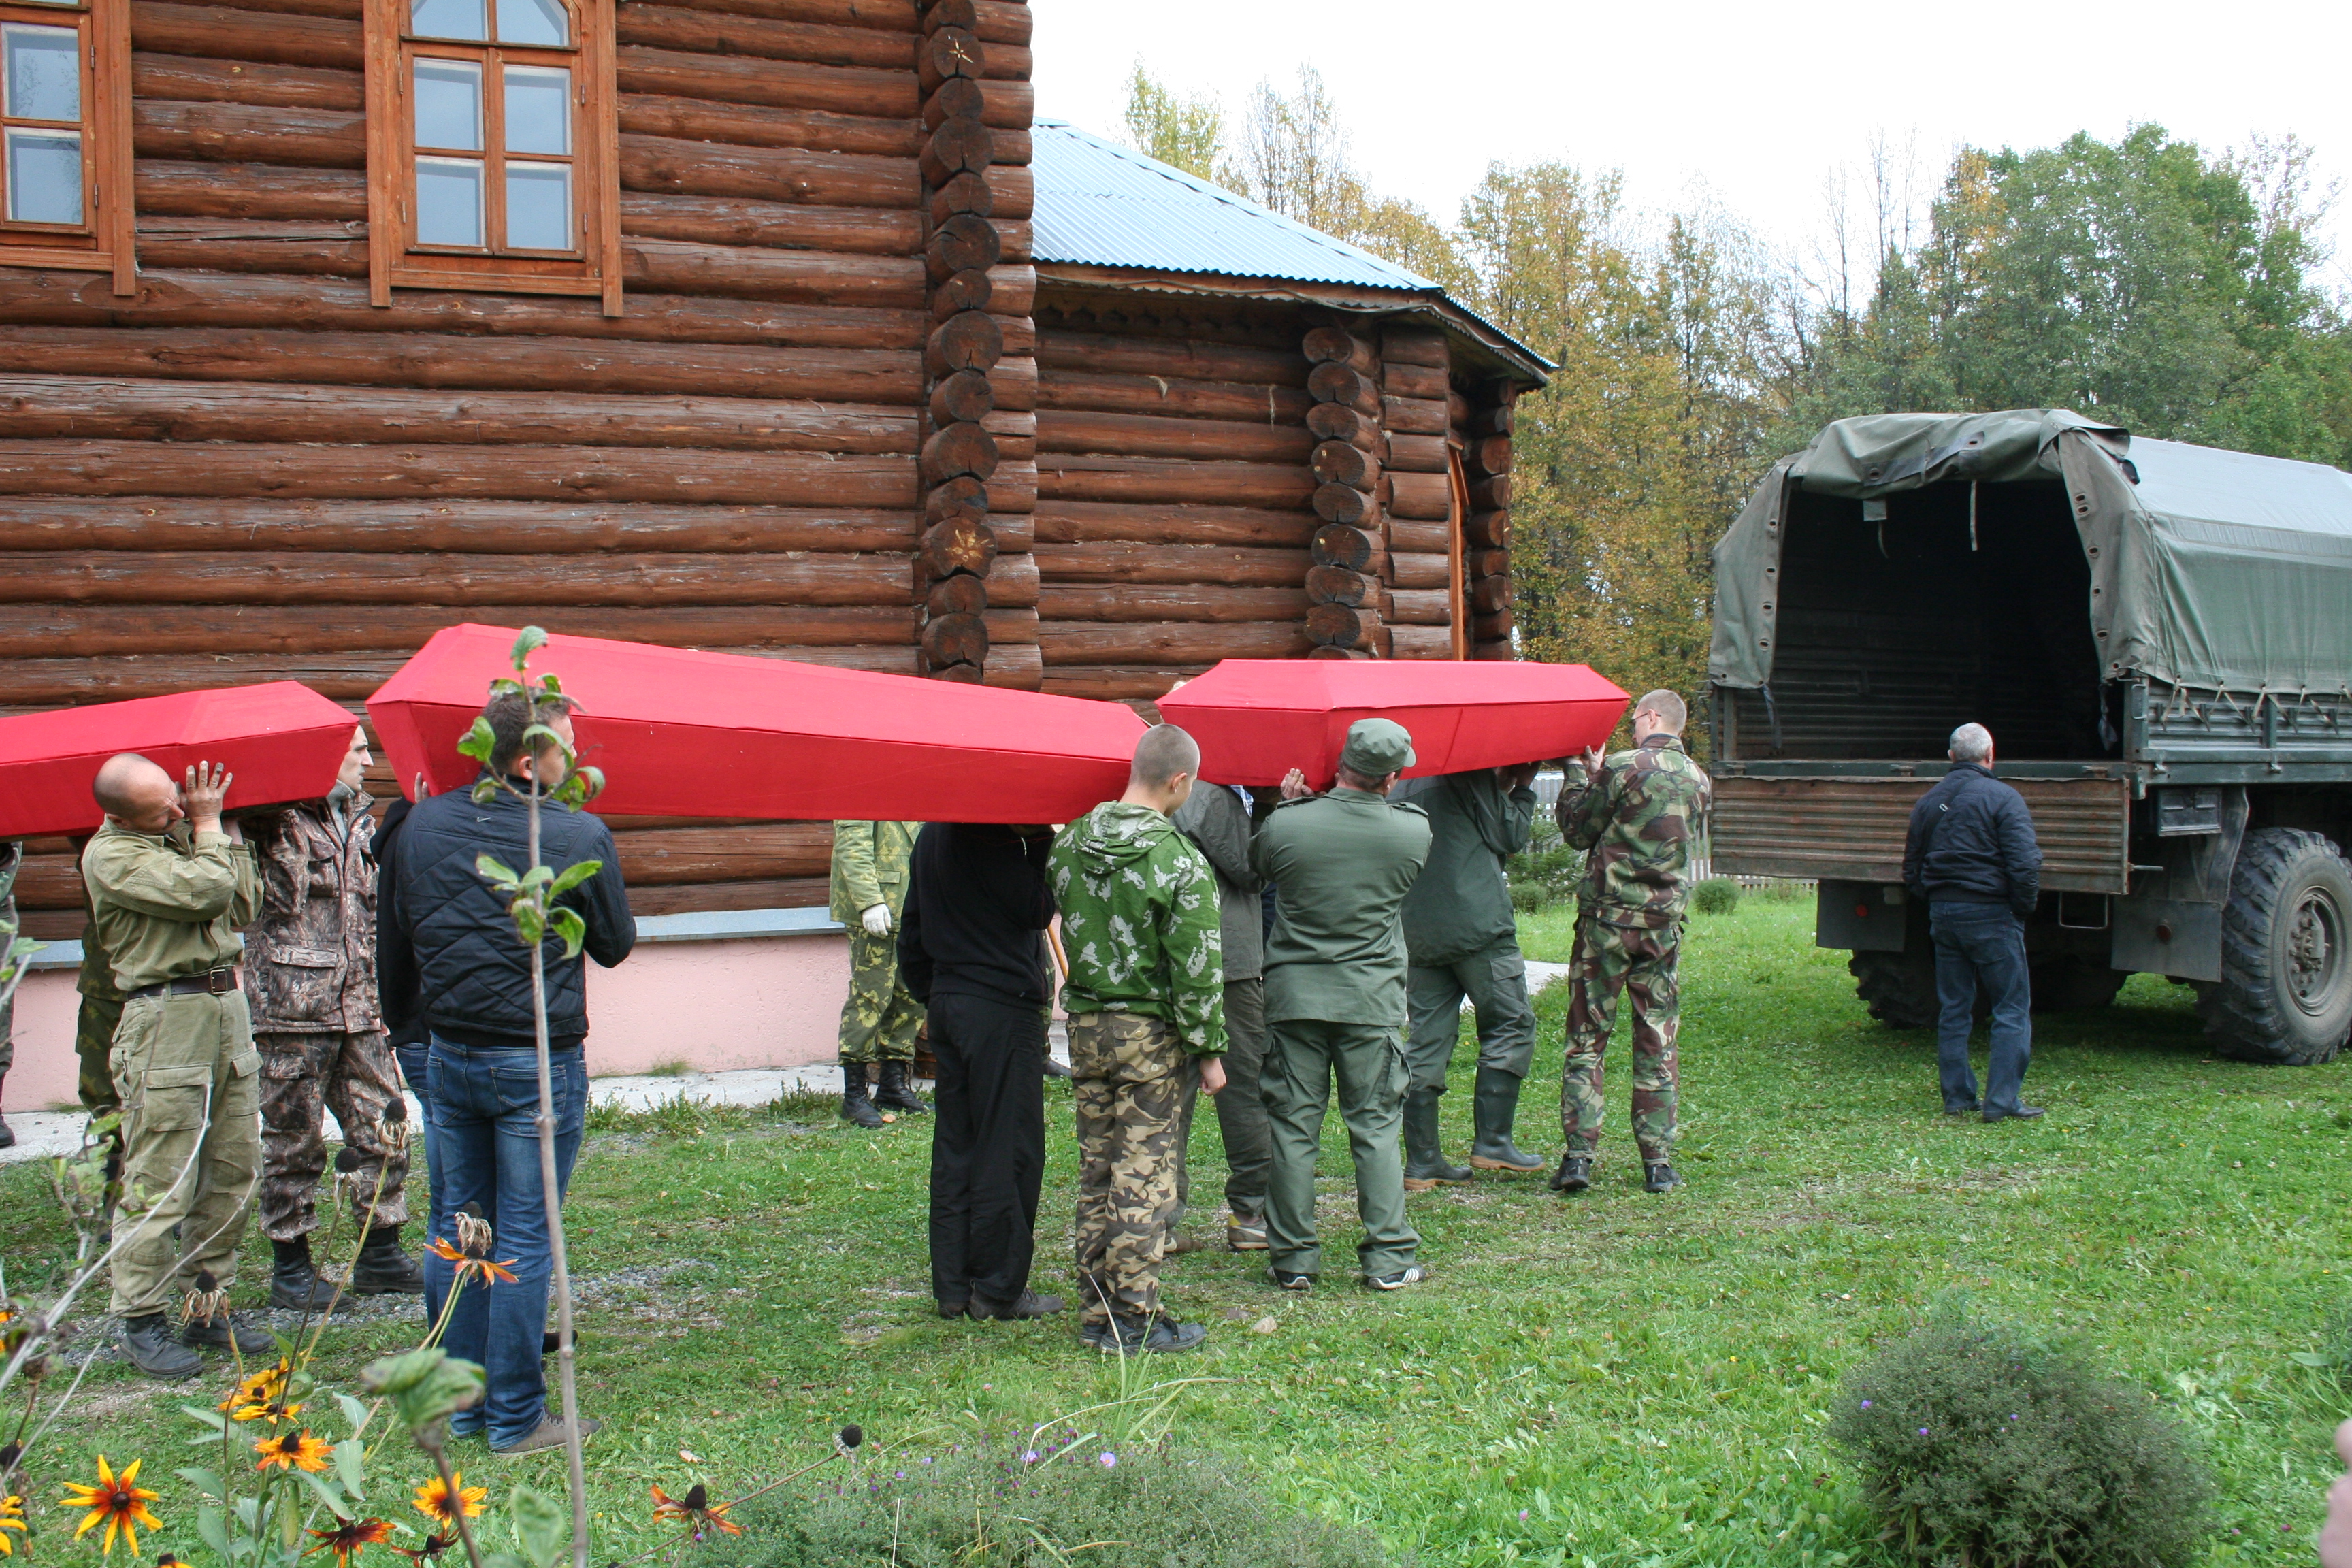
(878,920)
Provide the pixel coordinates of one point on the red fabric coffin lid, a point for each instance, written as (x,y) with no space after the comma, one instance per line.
(681,734)
(282,740)
(1258,718)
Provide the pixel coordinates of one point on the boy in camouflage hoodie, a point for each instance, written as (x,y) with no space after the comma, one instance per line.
(1146,1000)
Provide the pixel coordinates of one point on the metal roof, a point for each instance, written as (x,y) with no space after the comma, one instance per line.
(1102,205)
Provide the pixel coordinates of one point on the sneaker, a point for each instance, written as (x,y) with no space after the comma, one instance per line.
(149,1343)
(1246,1233)
(1160,1336)
(1398,1280)
(215,1334)
(1660,1178)
(1288,1280)
(1574,1175)
(1030,1305)
(548,1434)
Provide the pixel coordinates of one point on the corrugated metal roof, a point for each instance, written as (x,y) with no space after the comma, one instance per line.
(1102,205)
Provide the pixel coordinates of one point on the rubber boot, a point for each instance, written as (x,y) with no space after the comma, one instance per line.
(294,1282)
(1424,1161)
(854,1106)
(382,1268)
(1494,1105)
(895,1093)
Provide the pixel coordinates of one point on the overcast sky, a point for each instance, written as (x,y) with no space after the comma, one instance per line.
(1750,104)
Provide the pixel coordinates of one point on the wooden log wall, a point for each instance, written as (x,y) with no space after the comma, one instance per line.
(1418,503)
(1174,496)
(1486,470)
(1351,552)
(245,472)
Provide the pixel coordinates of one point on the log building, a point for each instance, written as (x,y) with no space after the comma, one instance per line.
(772,326)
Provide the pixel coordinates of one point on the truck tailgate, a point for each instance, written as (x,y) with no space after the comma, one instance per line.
(1852,829)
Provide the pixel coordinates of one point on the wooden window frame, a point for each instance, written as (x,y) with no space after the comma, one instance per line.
(395,261)
(106,242)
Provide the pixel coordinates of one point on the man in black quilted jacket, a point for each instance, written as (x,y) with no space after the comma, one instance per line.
(1972,855)
(446,934)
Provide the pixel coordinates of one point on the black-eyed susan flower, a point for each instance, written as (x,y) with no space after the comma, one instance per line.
(117,1501)
(432,1500)
(423,1556)
(470,1267)
(261,1395)
(347,1536)
(695,1510)
(296,1450)
(12,1517)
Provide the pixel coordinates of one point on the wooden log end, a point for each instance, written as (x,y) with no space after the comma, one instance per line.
(1340,544)
(1341,503)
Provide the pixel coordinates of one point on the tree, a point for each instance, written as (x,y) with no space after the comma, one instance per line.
(1186,133)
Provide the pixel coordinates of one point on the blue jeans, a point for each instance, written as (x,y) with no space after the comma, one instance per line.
(412,1073)
(1981,942)
(484,1151)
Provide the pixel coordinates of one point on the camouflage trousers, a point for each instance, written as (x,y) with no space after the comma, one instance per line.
(1127,1074)
(1641,964)
(355,1075)
(881,1018)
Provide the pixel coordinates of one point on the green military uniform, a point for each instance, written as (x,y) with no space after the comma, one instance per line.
(101,1016)
(185,1070)
(1218,824)
(1145,996)
(881,1019)
(1461,940)
(1335,1006)
(1641,820)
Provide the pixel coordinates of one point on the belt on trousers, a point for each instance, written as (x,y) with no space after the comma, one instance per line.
(211,983)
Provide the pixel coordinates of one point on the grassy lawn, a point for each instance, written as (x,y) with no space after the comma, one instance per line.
(1619,1380)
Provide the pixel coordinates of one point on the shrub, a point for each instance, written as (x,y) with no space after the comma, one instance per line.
(1151,1507)
(1717,896)
(1545,872)
(1981,1447)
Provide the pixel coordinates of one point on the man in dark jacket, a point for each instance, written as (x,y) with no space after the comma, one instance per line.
(971,948)
(448,934)
(1971,854)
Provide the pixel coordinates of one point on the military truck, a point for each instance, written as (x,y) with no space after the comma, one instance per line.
(2160,637)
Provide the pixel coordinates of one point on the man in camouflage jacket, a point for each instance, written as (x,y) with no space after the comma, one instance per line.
(1145,996)
(310,976)
(12,855)
(881,1018)
(1640,819)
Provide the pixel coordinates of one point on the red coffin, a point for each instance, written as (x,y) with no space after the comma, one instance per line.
(1258,718)
(282,740)
(681,734)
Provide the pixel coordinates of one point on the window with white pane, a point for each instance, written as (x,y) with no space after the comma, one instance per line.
(64,143)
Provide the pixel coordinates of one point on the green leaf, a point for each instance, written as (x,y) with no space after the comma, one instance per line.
(425,1385)
(329,1494)
(2311,1358)
(353,1412)
(478,741)
(572,928)
(492,869)
(212,1418)
(207,1481)
(542,1525)
(485,791)
(531,925)
(528,641)
(212,1527)
(548,739)
(350,1466)
(573,876)
(538,877)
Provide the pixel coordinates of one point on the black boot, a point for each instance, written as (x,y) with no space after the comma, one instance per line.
(1496,1106)
(854,1106)
(7,1138)
(149,1343)
(1574,1175)
(1659,1177)
(1424,1161)
(218,1330)
(895,1095)
(382,1268)
(294,1282)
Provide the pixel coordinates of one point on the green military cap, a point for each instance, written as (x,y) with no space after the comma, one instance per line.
(1377,747)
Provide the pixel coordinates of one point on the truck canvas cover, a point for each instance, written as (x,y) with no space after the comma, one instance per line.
(2208,569)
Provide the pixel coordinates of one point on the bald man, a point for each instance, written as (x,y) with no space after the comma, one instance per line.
(169,884)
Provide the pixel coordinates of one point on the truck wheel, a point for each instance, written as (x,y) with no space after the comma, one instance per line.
(2066,984)
(2285,991)
(1899,988)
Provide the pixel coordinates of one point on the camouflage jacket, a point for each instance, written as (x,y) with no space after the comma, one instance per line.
(1642,820)
(310,956)
(1140,922)
(870,861)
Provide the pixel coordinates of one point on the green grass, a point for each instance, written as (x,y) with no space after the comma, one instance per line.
(1645,1379)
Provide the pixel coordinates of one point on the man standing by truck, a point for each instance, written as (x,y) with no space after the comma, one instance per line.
(1972,855)
(1641,820)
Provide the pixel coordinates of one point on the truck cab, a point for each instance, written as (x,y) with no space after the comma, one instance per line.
(2160,637)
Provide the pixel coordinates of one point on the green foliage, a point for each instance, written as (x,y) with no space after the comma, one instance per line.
(425,1385)
(1981,1447)
(1151,1507)
(1187,133)
(1716,896)
(1545,872)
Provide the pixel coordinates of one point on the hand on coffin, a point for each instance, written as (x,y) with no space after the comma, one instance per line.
(1294,787)
(1591,761)
(878,920)
(1519,777)
(207,785)
(1212,1074)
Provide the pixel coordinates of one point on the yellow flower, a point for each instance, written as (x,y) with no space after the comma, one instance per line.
(11,1516)
(433,1498)
(258,1389)
(118,1501)
(294,1450)
(347,1536)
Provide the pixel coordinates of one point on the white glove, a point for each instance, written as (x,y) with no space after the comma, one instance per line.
(878,920)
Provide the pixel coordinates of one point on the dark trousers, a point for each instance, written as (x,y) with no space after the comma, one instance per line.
(1241,1111)
(484,1149)
(988,1145)
(1982,943)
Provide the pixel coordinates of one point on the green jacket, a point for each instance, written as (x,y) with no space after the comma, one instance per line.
(1341,864)
(1642,821)
(870,867)
(169,906)
(1139,922)
(1461,904)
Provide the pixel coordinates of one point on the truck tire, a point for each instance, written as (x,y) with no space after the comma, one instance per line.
(2285,991)
(1899,988)
(2066,984)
